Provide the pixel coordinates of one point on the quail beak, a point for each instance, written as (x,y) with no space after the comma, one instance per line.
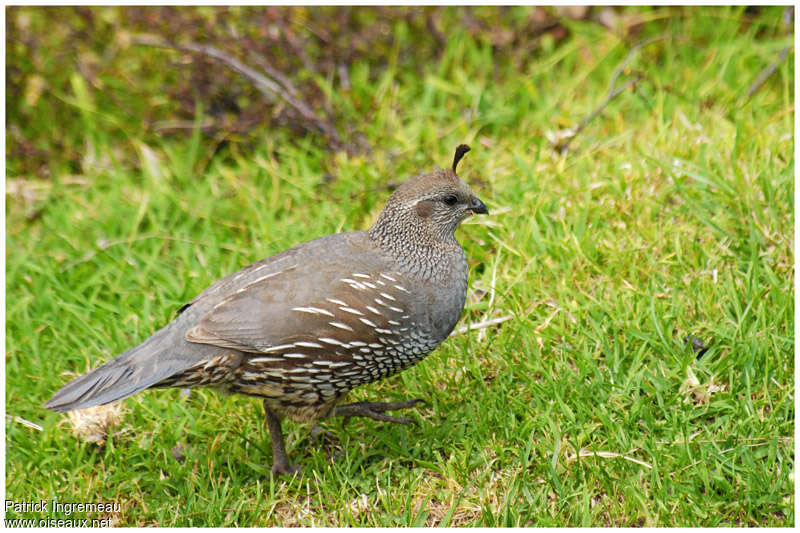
(477,207)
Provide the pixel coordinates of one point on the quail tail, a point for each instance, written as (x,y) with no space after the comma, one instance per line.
(164,354)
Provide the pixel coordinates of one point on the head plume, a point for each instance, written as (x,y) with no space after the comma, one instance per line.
(461,149)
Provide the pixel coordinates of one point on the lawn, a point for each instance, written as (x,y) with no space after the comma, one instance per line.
(645,377)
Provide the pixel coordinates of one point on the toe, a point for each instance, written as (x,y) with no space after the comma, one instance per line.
(285,470)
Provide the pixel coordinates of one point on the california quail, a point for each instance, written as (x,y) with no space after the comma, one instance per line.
(303,327)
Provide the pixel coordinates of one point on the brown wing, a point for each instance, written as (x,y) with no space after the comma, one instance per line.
(354,310)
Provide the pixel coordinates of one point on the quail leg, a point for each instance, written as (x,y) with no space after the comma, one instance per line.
(280,464)
(375,410)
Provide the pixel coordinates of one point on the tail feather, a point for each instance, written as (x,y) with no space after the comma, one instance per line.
(105,384)
(161,356)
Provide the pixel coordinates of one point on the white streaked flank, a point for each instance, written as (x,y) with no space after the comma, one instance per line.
(239,275)
(353,283)
(313,310)
(264,360)
(308,344)
(278,348)
(328,340)
(265,276)
(262,278)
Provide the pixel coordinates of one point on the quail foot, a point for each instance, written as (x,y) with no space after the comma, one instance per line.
(302,328)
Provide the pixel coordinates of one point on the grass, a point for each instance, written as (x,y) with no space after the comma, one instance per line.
(670,216)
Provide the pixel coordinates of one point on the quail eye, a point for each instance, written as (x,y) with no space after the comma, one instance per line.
(450,200)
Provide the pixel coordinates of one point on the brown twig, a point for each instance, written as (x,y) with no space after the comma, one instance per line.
(606,455)
(634,48)
(482,325)
(613,94)
(24,422)
(767,72)
(276,74)
(161,125)
(299,50)
(344,76)
(271,89)
(430,25)
(613,91)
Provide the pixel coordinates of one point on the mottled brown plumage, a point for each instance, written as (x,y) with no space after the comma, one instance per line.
(302,328)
